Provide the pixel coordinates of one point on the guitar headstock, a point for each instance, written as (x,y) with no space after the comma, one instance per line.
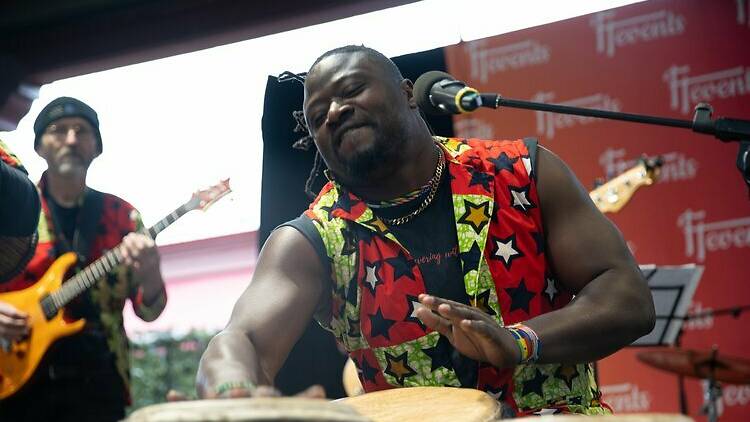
(204,198)
(613,195)
(652,166)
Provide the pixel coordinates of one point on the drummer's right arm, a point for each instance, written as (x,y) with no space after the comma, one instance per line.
(268,318)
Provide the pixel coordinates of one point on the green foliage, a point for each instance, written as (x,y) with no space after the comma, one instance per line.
(162,362)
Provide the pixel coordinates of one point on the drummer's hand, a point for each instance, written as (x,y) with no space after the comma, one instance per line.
(472,332)
(313,392)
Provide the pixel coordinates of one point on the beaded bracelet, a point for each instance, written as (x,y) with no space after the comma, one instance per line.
(234,385)
(527,341)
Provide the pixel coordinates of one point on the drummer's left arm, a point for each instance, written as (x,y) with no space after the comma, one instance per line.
(612,305)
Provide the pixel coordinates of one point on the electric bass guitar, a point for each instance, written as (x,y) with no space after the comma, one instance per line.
(614,194)
(44,300)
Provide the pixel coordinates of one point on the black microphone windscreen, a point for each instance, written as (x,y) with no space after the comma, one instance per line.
(422,88)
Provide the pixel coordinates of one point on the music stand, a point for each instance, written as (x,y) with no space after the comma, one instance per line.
(672,288)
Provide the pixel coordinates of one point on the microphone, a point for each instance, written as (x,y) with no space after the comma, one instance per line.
(440,93)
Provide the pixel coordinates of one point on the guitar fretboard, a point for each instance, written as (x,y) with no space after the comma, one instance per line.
(87,277)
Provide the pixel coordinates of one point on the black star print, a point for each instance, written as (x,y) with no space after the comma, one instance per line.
(481,178)
(575,400)
(364,234)
(398,367)
(534,385)
(470,258)
(351,294)
(503,162)
(495,212)
(440,355)
(519,197)
(379,325)
(412,303)
(567,373)
(401,266)
(368,372)
(505,250)
(483,302)
(344,202)
(350,245)
(353,327)
(329,211)
(520,297)
(477,216)
(539,240)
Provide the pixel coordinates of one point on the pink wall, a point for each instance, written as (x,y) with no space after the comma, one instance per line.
(204,278)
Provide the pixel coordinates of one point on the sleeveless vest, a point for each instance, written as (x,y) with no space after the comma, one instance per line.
(375,283)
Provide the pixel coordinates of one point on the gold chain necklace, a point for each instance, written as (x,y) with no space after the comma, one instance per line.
(433,188)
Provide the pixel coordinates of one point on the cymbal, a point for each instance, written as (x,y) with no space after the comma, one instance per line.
(699,364)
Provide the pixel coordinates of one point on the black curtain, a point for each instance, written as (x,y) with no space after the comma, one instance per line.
(315,358)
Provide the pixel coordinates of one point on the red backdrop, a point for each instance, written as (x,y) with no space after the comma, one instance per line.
(661,58)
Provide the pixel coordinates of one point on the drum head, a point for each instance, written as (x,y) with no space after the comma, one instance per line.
(426,404)
(248,410)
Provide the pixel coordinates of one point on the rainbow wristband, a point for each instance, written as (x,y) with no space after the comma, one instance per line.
(234,385)
(527,341)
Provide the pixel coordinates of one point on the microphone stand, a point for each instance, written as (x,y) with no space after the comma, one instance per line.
(724,129)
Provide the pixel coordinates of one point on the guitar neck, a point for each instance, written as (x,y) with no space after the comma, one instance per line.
(613,195)
(87,277)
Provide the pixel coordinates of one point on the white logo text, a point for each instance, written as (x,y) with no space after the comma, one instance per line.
(686,91)
(548,123)
(487,61)
(612,34)
(702,237)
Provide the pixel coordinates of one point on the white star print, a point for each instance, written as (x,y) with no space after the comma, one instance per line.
(551,290)
(543,412)
(519,199)
(527,163)
(496,395)
(415,305)
(372,278)
(505,250)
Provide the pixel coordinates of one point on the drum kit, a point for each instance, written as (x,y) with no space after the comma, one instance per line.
(705,365)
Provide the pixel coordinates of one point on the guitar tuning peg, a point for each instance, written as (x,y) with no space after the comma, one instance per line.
(598,182)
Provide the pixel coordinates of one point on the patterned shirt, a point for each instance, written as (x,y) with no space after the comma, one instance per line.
(376,282)
(107,297)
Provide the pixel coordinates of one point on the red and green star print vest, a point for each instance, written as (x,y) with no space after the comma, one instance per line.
(501,248)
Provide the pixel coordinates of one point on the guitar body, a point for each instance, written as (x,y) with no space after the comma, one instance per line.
(19,360)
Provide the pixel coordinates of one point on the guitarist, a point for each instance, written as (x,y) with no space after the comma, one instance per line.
(84,376)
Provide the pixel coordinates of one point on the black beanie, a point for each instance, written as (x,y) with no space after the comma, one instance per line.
(66,107)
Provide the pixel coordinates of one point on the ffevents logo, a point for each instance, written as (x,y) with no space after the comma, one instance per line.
(676,166)
(612,34)
(486,61)
(702,238)
(705,322)
(626,397)
(685,91)
(469,127)
(547,124)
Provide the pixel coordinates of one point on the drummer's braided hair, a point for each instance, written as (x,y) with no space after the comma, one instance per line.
(307,141)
